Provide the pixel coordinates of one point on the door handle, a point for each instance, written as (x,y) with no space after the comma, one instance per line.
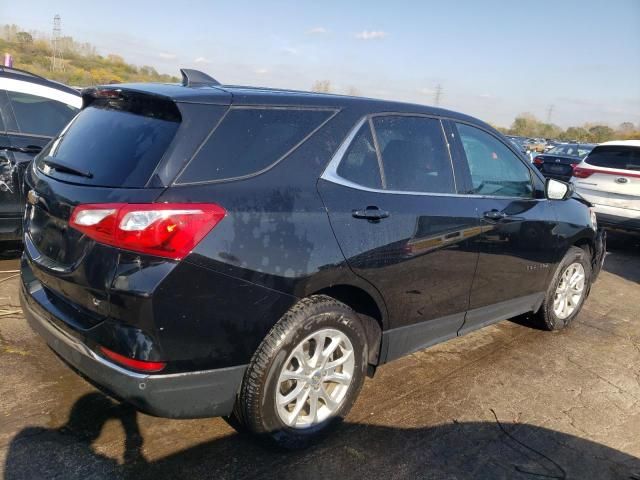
(371,213)
(494,215)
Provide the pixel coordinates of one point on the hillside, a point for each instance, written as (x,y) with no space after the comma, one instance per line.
(82,65)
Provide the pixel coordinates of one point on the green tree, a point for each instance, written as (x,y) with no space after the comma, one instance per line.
(24,38)
(601,133)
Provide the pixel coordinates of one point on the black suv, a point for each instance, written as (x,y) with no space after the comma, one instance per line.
(208,250)
(32,111)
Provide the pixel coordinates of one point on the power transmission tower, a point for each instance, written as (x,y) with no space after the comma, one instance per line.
(57,62)
(437,95)
(549,112)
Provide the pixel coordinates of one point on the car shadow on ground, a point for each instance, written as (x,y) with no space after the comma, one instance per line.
(491,449)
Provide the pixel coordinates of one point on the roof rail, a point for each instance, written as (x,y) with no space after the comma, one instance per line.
(21,72)
(196,78)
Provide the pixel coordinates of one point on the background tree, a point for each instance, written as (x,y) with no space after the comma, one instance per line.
(321,86)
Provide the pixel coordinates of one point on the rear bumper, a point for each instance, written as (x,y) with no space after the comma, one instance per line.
(198,394)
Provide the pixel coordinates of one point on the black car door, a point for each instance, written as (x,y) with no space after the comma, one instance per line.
(518,246)
(392,201)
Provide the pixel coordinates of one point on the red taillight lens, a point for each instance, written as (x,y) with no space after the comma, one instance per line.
(581,172)
(538,160)
(140,365)
(168,230)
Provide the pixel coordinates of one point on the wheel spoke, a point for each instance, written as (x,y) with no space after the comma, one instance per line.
(297,375)
(289,397)
(333,345)
(326,398)
(346,354)
(343,378)
(313,406)
(300,403)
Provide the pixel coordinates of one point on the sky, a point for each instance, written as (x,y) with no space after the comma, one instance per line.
(565,60)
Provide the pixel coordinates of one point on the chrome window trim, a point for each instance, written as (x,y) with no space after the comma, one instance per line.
(330,173)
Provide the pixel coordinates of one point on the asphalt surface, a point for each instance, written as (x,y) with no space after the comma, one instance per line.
(509,401)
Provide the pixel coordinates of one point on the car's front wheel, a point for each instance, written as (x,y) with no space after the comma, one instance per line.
(567,291)
(305,375)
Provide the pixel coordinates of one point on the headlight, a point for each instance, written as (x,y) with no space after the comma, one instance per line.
(594,219)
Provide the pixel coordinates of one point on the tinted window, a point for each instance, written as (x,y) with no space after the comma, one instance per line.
(249,140)
(494,168)
(118,147)
(626,158)
(360,162)
(414,155)
(39,115)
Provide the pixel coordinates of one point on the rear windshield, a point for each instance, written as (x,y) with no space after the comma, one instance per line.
(114,143)
(625,158)
(249,140)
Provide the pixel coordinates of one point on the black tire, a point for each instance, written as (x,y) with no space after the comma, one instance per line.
(546,316)
(255,408)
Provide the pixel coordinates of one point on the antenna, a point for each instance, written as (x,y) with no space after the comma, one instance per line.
(437,95)
(57,62)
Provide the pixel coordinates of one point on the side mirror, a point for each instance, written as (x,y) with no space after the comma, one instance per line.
(557,190)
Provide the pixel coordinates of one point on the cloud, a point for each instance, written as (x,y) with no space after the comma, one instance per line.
(371,35)
(261,71)
(317,30)
(167,56)
(426,91)
(291,50)
(202,60)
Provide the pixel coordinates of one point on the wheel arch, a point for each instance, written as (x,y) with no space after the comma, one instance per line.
(370,309)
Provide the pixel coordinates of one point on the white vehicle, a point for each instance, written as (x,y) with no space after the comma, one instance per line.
(609,178)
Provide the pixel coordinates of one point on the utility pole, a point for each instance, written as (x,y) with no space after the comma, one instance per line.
(437,95)
(57,62)
(549,112)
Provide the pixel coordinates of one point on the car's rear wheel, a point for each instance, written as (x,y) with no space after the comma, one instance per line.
(305,375)
(567,291)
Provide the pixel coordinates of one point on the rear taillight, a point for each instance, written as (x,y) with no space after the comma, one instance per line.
(538,160)
(169,230)
(581,172)
(132,363)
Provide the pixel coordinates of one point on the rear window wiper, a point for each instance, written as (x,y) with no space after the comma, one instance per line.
(64,168)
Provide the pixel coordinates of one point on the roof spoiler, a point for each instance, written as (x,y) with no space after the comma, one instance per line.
(196,78)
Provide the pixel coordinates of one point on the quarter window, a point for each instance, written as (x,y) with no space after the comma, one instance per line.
(495,169)
(414,154)
(249,140)
(360,162)
(38,115)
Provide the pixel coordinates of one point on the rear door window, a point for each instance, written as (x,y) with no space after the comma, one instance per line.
(625,158)
(414,154)
(118,142)
(37,115)
(250,140)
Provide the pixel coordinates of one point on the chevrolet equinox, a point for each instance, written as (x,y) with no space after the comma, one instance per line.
(203,250)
